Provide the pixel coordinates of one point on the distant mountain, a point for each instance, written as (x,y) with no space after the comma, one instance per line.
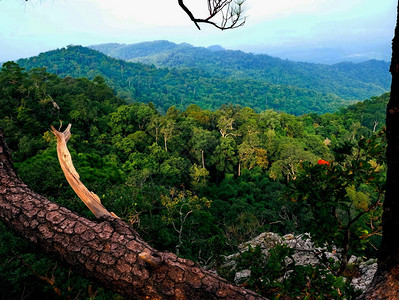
(215,48)
(144,49)
(333,53)
(184,86)
(349,81)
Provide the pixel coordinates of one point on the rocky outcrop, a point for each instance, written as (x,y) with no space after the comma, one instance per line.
(366,273)
(304,253)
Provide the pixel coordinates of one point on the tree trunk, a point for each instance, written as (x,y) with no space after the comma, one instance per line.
(108,251)
(385,284)
(203,159)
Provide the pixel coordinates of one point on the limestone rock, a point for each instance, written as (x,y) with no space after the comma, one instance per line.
(265,241)
(305,253)
(241,276)
(367,270)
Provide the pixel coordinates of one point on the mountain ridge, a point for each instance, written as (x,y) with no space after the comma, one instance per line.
(165,87)
(350,81)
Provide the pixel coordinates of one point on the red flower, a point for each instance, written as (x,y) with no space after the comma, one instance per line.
(323,162)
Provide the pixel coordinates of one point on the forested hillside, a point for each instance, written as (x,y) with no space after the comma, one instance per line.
(232,172)
(347,80)
(136,82)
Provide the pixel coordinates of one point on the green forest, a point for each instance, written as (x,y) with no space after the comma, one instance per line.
(197,163)
(256,81)
(347,80)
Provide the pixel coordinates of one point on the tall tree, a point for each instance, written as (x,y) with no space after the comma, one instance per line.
(385,284)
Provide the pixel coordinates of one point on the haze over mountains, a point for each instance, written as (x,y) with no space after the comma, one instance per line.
(169,74)
(354,52)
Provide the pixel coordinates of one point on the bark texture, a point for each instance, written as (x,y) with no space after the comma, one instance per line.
(389,252)
(385,284)
(108,251)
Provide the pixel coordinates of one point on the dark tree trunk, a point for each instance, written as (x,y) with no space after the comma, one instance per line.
(108,251)
(385,284)
(389,252)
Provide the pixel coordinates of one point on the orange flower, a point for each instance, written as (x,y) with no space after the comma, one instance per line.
(323,162)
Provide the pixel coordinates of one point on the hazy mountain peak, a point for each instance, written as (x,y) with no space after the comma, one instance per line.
(215,48)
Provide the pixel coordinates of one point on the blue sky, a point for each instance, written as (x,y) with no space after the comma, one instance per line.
(282,28)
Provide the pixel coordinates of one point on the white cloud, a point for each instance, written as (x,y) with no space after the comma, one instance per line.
(56,23)
(271,9)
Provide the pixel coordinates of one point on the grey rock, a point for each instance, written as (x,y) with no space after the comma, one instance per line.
(367,270)
(305,253)
(241,276)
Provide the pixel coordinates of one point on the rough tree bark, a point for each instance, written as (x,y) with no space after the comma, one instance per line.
(385,284)
(108,251)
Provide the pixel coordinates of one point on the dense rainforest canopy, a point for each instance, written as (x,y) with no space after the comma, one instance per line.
(349,81)
(216,78)
(232,172)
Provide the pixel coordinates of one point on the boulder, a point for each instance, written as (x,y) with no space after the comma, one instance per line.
(305,253)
